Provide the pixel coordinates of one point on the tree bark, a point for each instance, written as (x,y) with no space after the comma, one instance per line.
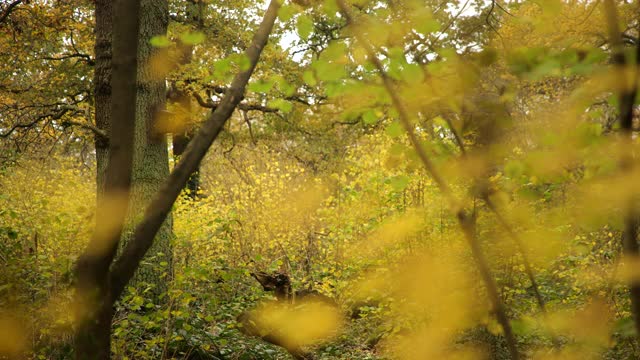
(102,86)
(150,156)
(93,292)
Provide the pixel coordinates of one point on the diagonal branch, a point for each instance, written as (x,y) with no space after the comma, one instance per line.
(101,134)
(242,106)
(144,233)
(8,10)
(465,219)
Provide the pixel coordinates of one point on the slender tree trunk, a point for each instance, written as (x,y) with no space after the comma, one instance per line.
(150,159)
(94,298)
(466,219)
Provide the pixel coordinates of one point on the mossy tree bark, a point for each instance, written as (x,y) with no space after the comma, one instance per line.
(150,163)
(150,156)
(102,86)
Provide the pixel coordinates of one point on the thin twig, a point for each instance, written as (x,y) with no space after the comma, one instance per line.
(508,228)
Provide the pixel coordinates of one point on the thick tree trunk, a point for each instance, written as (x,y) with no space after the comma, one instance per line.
(151,157)
(93,339)
(102,86)
(151,166)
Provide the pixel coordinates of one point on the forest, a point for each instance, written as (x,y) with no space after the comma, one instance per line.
(319,179)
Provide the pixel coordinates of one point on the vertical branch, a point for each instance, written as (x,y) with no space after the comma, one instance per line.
(626,94)
(94,307)
(465,219)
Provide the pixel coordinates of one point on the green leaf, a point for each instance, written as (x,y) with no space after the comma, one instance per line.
(160,41)
(330,8)
(304,26)
(241,60)
(281,104)
(223,65)
(428,26)
(369,117)
(335,51)
(329,71)
(286,12)
(261,86)
(399,183)
(309,78)
(394,129)
(412,73)
(192,38)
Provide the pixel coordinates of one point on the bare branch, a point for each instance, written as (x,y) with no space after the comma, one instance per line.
(87,58)
(245,115)
(53,116)
(8,10)
(242,106)
(85,125)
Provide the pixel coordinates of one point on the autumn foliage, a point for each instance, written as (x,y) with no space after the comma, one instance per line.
(412,179)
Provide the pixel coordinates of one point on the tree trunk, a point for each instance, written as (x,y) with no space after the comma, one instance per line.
(93,338)
(94,298)
(99,282)
(102,86)
(150,160)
